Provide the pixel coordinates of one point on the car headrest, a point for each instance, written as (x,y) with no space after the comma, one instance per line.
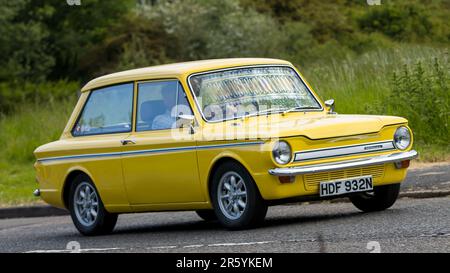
(150,109)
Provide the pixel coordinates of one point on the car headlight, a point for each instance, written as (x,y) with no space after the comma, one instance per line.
(402,138)
(282,152)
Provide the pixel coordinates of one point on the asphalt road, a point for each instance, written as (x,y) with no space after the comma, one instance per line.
(431,177)
(411,225)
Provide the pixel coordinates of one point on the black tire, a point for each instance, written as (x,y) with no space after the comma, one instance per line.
(207,214)
(255,210)
(103,223)
(381,198)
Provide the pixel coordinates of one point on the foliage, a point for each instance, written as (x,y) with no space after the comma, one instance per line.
(406,21)
(13,95)
(138,42)
(24,51)
(421,93)
(50,40)
(45,39)
(408,81)
(217,29)
(31,126)
(17,181)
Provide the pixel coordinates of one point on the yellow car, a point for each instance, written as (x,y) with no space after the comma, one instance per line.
(226,138)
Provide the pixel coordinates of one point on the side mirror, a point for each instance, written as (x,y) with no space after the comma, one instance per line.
(186,121)
(330,105)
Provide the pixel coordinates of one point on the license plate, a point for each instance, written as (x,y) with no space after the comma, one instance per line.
(347,185)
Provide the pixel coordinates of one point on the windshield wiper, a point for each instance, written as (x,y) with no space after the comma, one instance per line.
(278,110)
(296,108)
(266,111)
(270,110)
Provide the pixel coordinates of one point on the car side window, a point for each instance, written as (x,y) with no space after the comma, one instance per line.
(108,110)
(159,105)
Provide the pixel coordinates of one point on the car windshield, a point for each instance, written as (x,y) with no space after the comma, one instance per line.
(249,91)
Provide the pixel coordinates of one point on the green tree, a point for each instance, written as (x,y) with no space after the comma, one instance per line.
(23,44)
(405,21)
(136,42)
(215,29)
(46,38)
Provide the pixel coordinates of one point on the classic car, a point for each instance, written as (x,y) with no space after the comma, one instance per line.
(225,138)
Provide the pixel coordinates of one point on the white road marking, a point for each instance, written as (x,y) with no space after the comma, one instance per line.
(169,246)
(69,250)
(430,173)
(242,244)
(193,246)
(441,234)
(161,247)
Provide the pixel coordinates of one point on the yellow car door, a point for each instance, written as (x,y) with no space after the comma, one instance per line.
(105,120)
(159,164)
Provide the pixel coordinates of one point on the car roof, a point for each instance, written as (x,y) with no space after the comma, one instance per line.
(176,70)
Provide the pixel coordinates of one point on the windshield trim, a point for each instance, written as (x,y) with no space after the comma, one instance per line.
(248,66)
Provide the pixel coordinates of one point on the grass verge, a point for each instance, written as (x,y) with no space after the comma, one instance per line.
(30,126)
(17,183)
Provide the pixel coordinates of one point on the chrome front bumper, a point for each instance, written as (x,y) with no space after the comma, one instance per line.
(382,159)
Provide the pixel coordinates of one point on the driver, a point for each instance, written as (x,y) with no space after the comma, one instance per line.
(165,120)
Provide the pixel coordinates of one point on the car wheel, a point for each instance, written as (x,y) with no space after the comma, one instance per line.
(381,198)
(207,214)
(236,199)
(86,208)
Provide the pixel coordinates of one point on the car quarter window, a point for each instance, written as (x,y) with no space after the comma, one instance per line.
(159,105)
(107,110)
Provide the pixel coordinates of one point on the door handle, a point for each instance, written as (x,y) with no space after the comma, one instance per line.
(127,141)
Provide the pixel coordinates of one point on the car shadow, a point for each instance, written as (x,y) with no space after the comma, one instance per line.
(270,222)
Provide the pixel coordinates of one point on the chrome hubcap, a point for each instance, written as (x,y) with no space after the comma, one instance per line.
(86,204)
(232,195)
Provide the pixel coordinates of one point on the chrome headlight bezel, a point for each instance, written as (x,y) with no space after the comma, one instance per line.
(282,152)
(402,138)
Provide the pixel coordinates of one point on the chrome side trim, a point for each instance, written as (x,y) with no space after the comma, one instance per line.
(344,150)
(152,151)
(382,159)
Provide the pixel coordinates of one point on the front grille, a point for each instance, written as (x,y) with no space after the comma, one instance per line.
(313,180)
